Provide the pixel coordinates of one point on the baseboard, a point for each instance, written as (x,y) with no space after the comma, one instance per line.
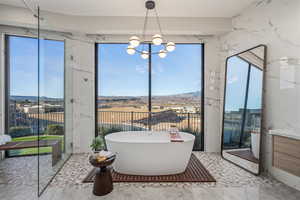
(285,177)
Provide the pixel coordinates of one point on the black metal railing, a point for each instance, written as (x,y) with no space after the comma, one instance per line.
(27,124)
(113,121)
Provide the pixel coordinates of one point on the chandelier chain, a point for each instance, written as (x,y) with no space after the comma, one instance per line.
(145,27)
(158,22)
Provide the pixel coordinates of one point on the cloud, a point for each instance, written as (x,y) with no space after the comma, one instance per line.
(233,80)
(142,69)
(158,68)
(197,83)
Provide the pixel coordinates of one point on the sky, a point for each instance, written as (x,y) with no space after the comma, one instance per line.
(120,74)
(237,73)
(23,60)
(127,75)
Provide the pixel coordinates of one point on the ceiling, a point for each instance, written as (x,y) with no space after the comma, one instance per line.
(165,8)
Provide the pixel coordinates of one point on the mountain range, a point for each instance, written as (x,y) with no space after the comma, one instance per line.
(33,98)
(44,98)
(187,94)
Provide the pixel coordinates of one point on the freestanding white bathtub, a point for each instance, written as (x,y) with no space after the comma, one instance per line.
(149,152)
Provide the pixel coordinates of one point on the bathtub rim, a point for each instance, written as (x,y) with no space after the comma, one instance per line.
(191,139)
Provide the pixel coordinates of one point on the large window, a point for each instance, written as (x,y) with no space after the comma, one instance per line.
(30,113)
(132,95)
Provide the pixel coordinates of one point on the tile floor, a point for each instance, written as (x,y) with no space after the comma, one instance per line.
(233,183)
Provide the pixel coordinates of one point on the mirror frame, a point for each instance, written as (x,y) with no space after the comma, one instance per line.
(262,110)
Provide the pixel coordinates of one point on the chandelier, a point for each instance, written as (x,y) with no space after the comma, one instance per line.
(137,45)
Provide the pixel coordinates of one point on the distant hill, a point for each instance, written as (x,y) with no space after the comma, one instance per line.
(33,98)
(188,94)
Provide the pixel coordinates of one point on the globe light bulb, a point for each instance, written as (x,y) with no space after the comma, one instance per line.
(170,46)
(162,53)
(130,50)
(145,54)
(157,39)
(134,41)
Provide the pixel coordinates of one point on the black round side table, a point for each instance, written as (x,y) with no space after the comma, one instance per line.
(103,183)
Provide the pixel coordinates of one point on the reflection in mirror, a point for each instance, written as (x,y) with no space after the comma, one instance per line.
(242,114)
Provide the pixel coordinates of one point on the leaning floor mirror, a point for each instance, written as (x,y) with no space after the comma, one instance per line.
(242,114)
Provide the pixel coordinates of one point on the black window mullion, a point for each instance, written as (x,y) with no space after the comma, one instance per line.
(149,86)
(7,82)
(96,87)
(202,97)
(7,86)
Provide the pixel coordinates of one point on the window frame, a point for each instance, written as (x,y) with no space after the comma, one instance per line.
(202,55)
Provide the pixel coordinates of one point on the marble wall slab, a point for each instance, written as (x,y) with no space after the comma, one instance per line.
(80,60)
(274,23)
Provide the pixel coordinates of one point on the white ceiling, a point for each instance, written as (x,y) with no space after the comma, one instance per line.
(165,8)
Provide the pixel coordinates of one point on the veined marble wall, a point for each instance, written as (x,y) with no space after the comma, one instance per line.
(275,23)
(80,60)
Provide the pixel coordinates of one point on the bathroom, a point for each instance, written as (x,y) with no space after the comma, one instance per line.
(233,28)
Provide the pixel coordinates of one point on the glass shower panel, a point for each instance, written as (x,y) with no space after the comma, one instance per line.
(21,94)
(235,96)
(55,143)
(51,109)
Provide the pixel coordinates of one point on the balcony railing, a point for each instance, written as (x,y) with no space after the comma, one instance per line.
(112,121)
(35,122)
(27,127)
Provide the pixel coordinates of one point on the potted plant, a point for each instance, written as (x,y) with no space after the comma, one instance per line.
(97,144)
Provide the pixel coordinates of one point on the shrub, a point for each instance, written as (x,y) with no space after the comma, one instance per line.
(19,131)
(55,129)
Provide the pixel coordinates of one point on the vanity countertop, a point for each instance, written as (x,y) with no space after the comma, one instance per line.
(285,133)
